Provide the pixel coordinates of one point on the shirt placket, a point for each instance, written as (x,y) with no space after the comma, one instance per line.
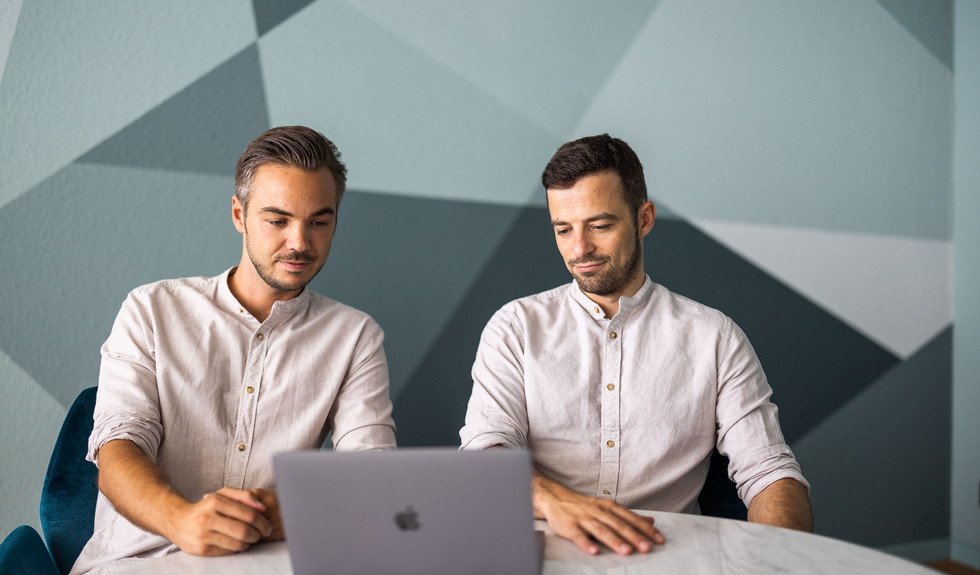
(241,445)
(610,372)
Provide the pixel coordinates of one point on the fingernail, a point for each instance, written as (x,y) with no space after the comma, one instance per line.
(625,549)
(643,546)
(593,549)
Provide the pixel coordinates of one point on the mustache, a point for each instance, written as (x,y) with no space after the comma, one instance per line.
(588,260)
(295,256)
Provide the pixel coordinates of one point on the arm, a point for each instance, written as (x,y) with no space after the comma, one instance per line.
(585,520)
(223,522)
(360,416)
(784,503)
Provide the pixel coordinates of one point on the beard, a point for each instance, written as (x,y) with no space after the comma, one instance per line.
(613,278)
(282,284)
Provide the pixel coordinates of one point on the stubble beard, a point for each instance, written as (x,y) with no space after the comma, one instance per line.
(265,272)
(613,279)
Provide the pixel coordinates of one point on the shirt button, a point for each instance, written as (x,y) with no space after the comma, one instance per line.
(609,443)
(596,309)
(610,386)
(612,335)
(240,310)
(606,492)
(260,337)
(250,390)
(241,447)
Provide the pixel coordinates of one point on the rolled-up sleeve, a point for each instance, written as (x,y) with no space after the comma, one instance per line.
(361,415)
(497,409)
(748,423)
(127,404)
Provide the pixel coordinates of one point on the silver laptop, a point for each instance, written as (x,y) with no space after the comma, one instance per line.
(431,511)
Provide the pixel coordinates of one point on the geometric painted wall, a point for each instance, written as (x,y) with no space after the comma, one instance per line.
(799,154)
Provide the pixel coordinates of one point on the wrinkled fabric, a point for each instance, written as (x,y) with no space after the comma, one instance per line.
(628,408)
(211,394)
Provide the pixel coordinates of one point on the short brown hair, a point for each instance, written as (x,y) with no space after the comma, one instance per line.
(594,154)
(291,146)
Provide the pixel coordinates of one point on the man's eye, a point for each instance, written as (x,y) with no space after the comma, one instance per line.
(276,223)
(561,231)
(601,227)
(321,223)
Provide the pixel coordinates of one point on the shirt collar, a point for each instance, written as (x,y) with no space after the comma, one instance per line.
(280,310)
(625,303)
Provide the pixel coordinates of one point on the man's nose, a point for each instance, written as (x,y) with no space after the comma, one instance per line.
(582,244)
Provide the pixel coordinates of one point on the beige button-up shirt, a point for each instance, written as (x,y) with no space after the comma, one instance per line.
(211,394)
(627,408)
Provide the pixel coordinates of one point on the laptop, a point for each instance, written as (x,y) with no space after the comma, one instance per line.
(431,511)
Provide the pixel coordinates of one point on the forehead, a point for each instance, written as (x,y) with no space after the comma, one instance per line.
(589,195)
(290,187)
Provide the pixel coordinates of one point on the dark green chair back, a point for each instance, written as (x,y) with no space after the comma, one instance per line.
(23,553)
(719,496)
(70,486)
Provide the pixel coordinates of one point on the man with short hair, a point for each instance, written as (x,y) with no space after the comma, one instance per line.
(203,380)
(620,388)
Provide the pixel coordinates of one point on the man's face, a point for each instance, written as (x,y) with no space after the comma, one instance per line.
(289,225)
(598,237)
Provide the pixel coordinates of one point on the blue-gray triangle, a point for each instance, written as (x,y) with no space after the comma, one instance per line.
(814,362)
(202,129)
(880,466)
(930,22)
(408,262)
(82,239)
(271,13)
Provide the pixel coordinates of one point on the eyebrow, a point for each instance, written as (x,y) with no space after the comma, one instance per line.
(602,216)
(281,212)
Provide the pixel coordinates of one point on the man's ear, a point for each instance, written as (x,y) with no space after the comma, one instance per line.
(646,217)
(238,214)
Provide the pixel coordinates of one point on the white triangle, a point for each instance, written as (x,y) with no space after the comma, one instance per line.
(897,291)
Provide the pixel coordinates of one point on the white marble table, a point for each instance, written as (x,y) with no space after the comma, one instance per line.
(695,545)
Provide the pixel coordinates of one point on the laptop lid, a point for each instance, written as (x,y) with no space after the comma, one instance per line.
(432,511)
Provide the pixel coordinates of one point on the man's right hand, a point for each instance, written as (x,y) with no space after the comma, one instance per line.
(585,520)
(224,522)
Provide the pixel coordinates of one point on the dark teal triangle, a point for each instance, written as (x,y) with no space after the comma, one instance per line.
(271,13)
(201,129)
(815,362)
(931,22)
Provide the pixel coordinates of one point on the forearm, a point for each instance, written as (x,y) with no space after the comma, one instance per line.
(137,488)
(784,503)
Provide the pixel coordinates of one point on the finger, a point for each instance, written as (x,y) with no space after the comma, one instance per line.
(607,535)
(582,541)
(247,497)
(246,515)
(640,524)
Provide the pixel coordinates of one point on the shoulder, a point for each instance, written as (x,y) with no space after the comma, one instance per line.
(540,304)
(324,308)
(691,314)
(173,288)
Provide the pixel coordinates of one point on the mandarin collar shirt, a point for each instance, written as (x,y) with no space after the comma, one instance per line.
(211,394)
(630,407)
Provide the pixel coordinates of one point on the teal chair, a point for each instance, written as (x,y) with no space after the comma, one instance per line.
(71,486)
(719,496)
(23,553)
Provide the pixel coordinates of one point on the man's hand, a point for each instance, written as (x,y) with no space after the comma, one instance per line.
(270,499)
(585,520)
(224,522)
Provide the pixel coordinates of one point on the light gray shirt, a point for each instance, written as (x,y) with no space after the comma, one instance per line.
(627,408)
(211,394)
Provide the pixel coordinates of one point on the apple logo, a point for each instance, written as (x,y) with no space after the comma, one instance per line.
(407,520)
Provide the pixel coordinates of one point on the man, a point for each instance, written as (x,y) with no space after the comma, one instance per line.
(203,380)
(620,388)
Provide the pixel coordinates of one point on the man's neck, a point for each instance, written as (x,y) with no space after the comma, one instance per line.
(256,296)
